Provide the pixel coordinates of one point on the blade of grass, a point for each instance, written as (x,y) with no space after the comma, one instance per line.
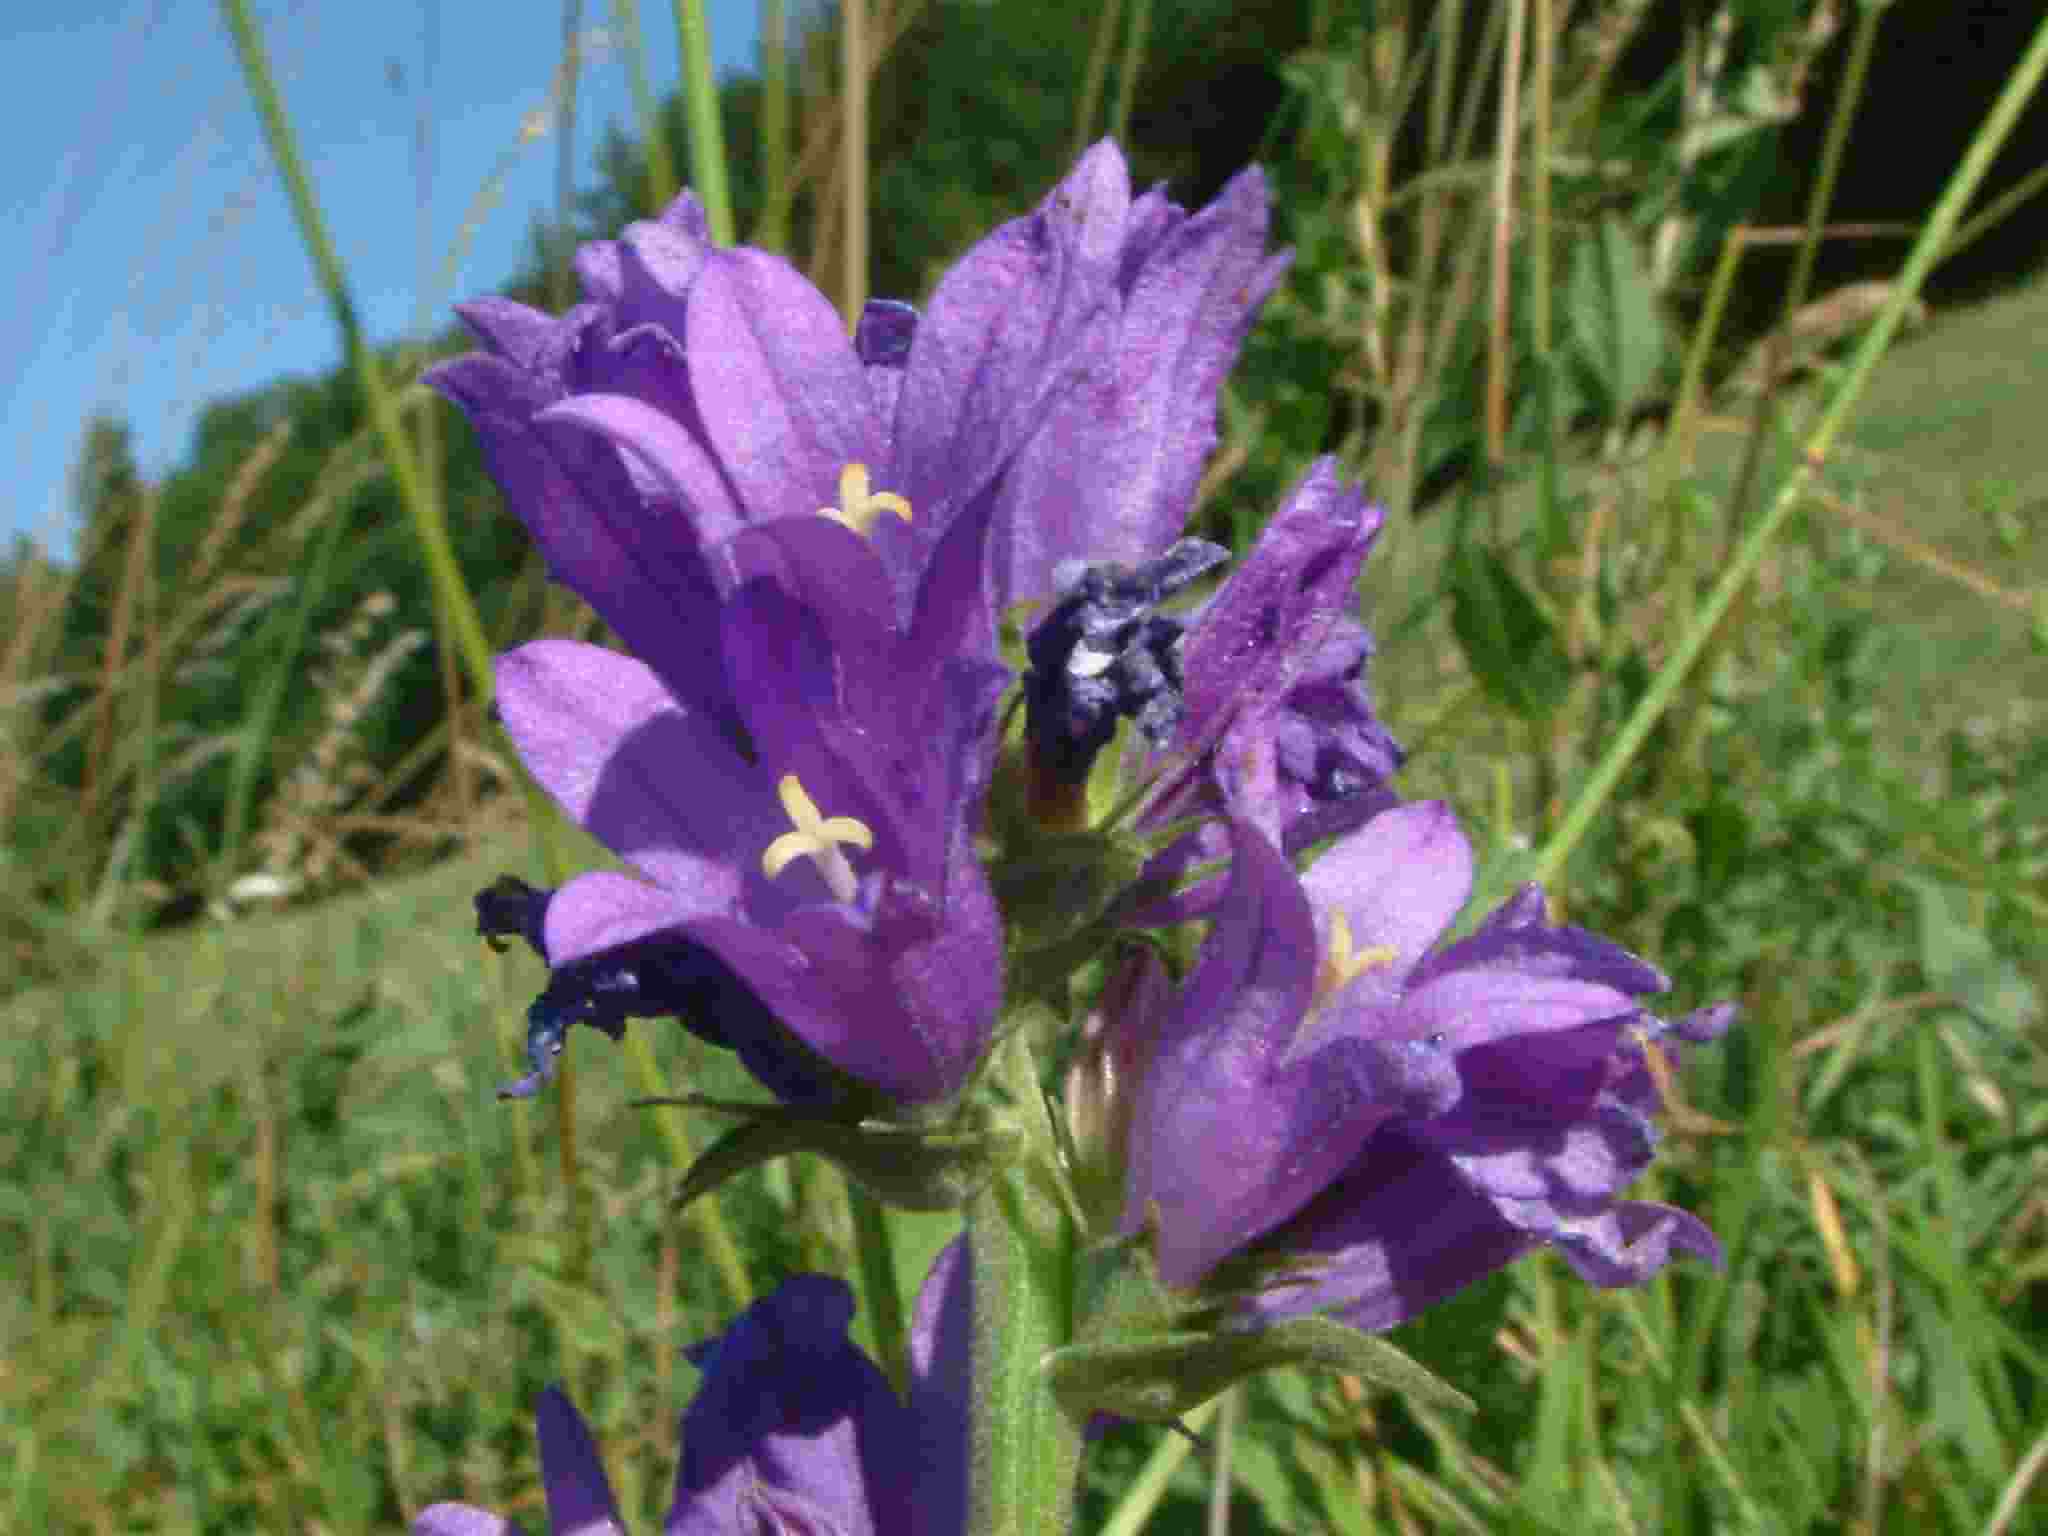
(700,108)
(661,168)
(1998,124)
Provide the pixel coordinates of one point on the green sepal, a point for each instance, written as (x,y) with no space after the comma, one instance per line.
(916,1168)
(1160,1376)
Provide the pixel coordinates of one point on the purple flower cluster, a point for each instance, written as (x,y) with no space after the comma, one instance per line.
(808,543)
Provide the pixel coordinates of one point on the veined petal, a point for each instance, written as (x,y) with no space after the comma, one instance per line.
(462,1520)
(1400,881)
(636,562)
(1114,470)
(1399,1233)
(657,784)
(660,443)
(784,400)
(1228,1137)
(792,1419)
(1470,1008)
(1002,335)
(526,338)
(1265,628)
(600,911)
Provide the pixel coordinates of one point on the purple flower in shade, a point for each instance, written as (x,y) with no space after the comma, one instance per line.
(1329,1083)
(793,1428)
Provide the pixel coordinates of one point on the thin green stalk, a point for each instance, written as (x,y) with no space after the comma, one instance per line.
(1148,1489)
(853,157)
(704,1215)
(1134,63)
(772,233)
(1098,75)
(1997,127)
(2001,208)
(1691,713)
(457,608)
(1846,102)
(661,169)
(874,1249)
(1024,1449)
(700,106)
(561,274)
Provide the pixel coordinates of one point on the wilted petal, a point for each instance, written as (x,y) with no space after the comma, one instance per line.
(1266,626)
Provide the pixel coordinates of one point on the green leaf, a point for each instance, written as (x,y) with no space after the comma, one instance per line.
(1618,335)
(905,1166)
(1959,958)
(1510,645)
(1161,1376)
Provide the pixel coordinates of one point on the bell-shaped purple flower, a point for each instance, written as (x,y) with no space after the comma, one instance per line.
(827,859)
(1331,1082)
(793,1428)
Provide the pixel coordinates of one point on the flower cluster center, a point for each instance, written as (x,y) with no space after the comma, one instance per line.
(859,508)
(816,837)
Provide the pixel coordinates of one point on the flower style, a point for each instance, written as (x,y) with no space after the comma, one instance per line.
(803,540)
(1330,1083)
(792,1428)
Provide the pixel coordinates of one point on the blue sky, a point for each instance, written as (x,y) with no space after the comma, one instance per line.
(151,263)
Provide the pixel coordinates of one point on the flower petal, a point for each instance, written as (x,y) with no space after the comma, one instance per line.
(1396,1235)
(580,1501)
(657,784)
(1400,881)
(462,1520)
(1003,335)
(1266,626)
(1228,1137)
(785,403)
(792,1420)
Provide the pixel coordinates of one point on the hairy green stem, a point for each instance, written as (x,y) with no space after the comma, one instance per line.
(1927,249)
(1025,1451)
